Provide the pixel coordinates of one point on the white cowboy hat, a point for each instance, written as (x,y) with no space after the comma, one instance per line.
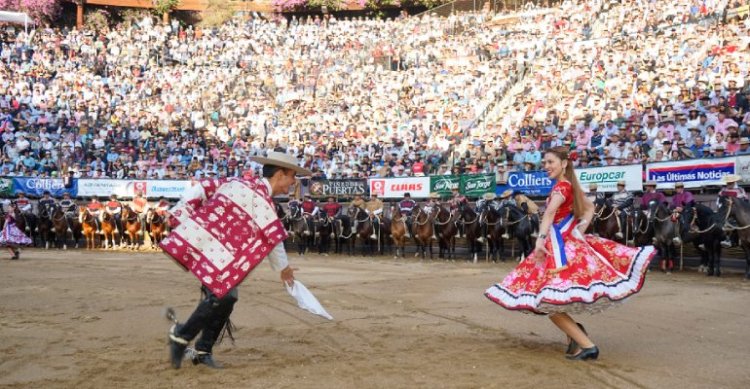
(489,196)
(730,178)
(284,160)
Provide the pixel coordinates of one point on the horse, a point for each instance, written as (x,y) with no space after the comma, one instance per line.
(605,221)
(324,230)
(60,227)
(157,227)
(497,233)
(739,210)
(44,226)
(299,229)
(131,225)
(109,229)
(26,222)
(472,229)
(88,226)
(518,224)
(422,230)
(643,229)
(666,234)
(445,229)
(343,234)
(702,226)
(363,228)
(398,231)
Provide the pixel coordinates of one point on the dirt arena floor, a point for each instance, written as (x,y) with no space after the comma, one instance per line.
(79,319)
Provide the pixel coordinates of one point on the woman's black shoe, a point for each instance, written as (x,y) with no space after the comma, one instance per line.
(585,354)
(16,254)
(572,344)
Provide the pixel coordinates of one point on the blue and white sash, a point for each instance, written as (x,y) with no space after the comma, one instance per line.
(558,246)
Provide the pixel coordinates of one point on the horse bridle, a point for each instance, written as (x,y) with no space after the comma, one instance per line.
(416,217)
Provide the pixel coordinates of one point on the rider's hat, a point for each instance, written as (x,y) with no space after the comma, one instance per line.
(46,192)
(507,193)
(650,183)
(113,196)
(407,194)
(434,195)
(593,186)
(489,196)
(679,184)
(621,182)
(283,160)
(730,178)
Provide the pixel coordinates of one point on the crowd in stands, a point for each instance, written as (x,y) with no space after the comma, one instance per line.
(620,83)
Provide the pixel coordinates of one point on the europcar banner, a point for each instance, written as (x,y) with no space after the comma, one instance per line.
(127,188)
(534,183)
(37,186)
(393,188)
(476,185)
(694,173)
(343,188)
(606,177)
(444,185)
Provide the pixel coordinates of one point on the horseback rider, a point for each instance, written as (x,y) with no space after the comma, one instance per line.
(406,206)
(95,209)
(67,204)
(681,201)
(651,195)
(358,202)
(622,202)
(162,206)
(485,203)
(455,203)
(332,209)
(23,203)
(531,209)
(310,211)
(46,202)
(140,206)
(593,195)
(732,189)
(374,208)
(114,208)
(433,205)
(506,198)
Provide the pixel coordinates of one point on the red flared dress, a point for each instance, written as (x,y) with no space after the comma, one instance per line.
(582,273)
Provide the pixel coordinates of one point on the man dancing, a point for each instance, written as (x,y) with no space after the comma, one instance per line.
(246,208)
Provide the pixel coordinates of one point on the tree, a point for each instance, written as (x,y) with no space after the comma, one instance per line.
(39,10)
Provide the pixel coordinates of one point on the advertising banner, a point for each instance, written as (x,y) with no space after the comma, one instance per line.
(126,188)
(338,188)
(6,187)
(529,183)
(476,185)
(394,188)
(444,185)
(742,167)
(37,186)
(606,177)
(694,173)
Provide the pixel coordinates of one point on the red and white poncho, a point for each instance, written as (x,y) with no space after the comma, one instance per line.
(222,229)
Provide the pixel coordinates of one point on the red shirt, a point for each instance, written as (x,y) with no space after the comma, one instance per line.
(566,208)
(331,209)
(308,206)
(94,206)
(418,167)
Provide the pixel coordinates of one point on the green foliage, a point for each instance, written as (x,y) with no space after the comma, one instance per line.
(216,14)
(162,6)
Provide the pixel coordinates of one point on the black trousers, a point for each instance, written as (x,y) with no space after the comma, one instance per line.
(208,319)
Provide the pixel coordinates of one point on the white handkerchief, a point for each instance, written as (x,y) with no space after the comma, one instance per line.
(306,300)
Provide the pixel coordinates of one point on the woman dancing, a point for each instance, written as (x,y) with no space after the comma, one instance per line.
(12,237)
(568,272)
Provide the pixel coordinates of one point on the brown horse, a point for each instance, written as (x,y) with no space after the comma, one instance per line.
(88,227)
(131,225)
(60,227)
(605,222)
(363,229)
(398,231)
(446,229)
(158,227)
(422,228)
(109,229)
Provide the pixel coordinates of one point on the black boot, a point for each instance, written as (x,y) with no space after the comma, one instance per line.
(16,254)
(177,346)
(207,359)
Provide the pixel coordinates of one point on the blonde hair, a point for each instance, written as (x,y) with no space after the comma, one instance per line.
(579,198)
